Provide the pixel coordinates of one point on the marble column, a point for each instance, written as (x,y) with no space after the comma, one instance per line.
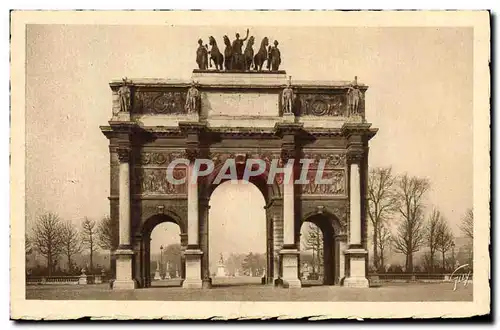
(193,253)
(204,244)
(277,240)
(124,253)
(289,253)
(355,255)
(182,271)
(342,246)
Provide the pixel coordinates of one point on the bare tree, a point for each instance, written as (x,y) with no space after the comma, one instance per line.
(444,239)
(410,231)
(467,225)
(382,203)
(314,241)
(89,238)
(70,241)
(107,231)
(384,239)
(47,239)
(431,234)
(467,228)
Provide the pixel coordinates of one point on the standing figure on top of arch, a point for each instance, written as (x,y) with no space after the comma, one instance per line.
(192,99)
(228,53)
(354,97)
(124,96)
(215,54)
(274,60)
(202,55)
(287,98)
(238,60)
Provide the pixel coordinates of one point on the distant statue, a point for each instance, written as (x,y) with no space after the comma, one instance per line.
(215,54)
(354,97)
(261,55)
(221,259)
(274,59)
(124,96)
(287,98)
(238,60)
(248,54)
(228,53)
(202,55)
(192,99)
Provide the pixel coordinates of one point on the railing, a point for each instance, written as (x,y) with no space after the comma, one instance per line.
(33,280)
(72,280)
(412,277)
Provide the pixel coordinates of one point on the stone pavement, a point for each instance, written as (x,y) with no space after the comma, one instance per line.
(386,292)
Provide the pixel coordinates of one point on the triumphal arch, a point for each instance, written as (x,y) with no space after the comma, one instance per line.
(245,116)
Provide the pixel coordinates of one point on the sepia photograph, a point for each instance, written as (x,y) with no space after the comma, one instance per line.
(250,164)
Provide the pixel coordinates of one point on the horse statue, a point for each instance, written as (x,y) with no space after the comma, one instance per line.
(248,53)
(261,55)
(215,54)
(228,53)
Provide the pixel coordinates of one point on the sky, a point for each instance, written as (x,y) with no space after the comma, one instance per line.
(419,96)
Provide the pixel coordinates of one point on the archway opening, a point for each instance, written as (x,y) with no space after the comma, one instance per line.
(164,267)
(237,234)
(317,255)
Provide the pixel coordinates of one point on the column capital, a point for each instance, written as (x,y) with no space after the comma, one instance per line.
(354,157)
(123,154)
(192,153)
(287,152)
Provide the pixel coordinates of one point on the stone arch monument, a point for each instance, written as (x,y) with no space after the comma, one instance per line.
(240,116)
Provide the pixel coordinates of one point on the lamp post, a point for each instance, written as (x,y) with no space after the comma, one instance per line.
(453,255)
(161,259)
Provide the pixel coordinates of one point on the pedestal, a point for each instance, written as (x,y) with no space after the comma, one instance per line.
(193,269)
(82,279)
(124,280)
(290,258)
(288,118)
(356,277)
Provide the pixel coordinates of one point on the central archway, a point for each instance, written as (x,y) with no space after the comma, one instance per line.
(237,236)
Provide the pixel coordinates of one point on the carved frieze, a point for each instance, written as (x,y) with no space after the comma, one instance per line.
(331,159)
(322,105)
(155,102)
(158,158)
(220,157)
(337,187)
(150,181)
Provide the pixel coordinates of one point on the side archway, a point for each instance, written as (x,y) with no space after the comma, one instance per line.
(330,228)
(144,256)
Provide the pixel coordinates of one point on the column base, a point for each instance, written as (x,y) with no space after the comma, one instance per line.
(290,271)
(357,271)
(124,285)
(124,280)
(192,284)
(356,282)
(193,269)
(292,284)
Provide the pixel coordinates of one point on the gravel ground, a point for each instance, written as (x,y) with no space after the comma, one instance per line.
(249,292)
